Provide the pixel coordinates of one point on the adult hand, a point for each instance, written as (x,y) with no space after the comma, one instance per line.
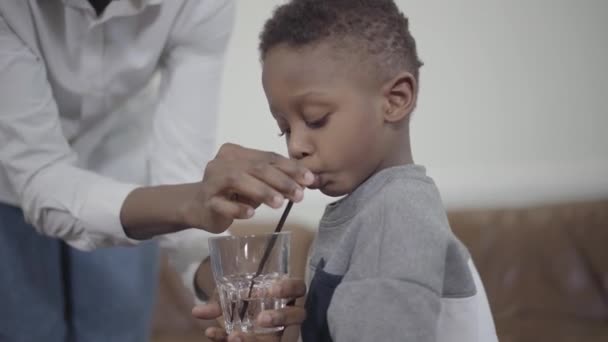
(234,184)
(237,181)
(291,315)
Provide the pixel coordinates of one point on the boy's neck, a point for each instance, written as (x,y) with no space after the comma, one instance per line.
(399,153)
(398,157)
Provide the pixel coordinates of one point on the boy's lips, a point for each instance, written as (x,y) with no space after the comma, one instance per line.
(316,183)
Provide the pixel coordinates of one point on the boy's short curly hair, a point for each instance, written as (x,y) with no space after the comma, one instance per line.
(365,28)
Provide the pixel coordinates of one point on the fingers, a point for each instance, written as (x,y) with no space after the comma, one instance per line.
(261,190)
(244,200)
(210,311)
(289,315)
(276,173)
(219,335)
(290,167)
(207,311)
(288,288)
(241,337)
(255,177)
(216,334)
(278,180)
(226,208)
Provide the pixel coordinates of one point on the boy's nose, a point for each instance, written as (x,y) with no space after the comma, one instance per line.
(300,155)
(299,147)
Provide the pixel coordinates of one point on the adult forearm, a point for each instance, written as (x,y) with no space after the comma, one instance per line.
(255,177)
(155,210)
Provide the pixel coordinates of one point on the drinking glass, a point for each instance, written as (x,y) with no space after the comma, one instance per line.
(243,284)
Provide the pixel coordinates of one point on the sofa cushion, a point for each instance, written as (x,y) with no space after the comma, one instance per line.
(545,269)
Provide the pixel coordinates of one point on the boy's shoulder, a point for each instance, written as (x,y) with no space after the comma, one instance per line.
(400,212)
(405,216)
(407,197)
(400,232)
(401,201)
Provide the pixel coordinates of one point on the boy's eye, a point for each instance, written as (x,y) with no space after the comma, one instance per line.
(318,123)
(284,132)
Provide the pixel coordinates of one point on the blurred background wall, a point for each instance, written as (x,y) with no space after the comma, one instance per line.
(513,101)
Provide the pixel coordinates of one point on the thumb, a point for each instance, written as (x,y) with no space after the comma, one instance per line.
(207,311)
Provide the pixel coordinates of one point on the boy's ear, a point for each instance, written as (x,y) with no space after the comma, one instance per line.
(400,94)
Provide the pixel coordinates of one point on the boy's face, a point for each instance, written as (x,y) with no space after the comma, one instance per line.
(331,113)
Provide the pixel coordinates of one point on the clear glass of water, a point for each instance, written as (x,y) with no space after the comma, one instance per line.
(242,284)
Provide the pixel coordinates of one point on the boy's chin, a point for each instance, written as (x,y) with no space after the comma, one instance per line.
(332,190)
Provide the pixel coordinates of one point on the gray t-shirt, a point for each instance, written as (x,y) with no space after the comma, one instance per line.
(387,267)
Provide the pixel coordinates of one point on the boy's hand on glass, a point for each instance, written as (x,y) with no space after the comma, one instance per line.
(291,315)
(237,181)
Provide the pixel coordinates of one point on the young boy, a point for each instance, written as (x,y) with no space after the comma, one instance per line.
(341,79)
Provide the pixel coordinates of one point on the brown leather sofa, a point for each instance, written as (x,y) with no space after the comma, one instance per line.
(545,270)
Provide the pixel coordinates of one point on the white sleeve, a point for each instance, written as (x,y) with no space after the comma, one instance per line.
(57,197)
(186,119)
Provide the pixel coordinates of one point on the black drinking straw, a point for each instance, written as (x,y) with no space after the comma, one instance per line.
(269,245)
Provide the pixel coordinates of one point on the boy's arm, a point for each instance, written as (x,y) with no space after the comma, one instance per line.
(393,287)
